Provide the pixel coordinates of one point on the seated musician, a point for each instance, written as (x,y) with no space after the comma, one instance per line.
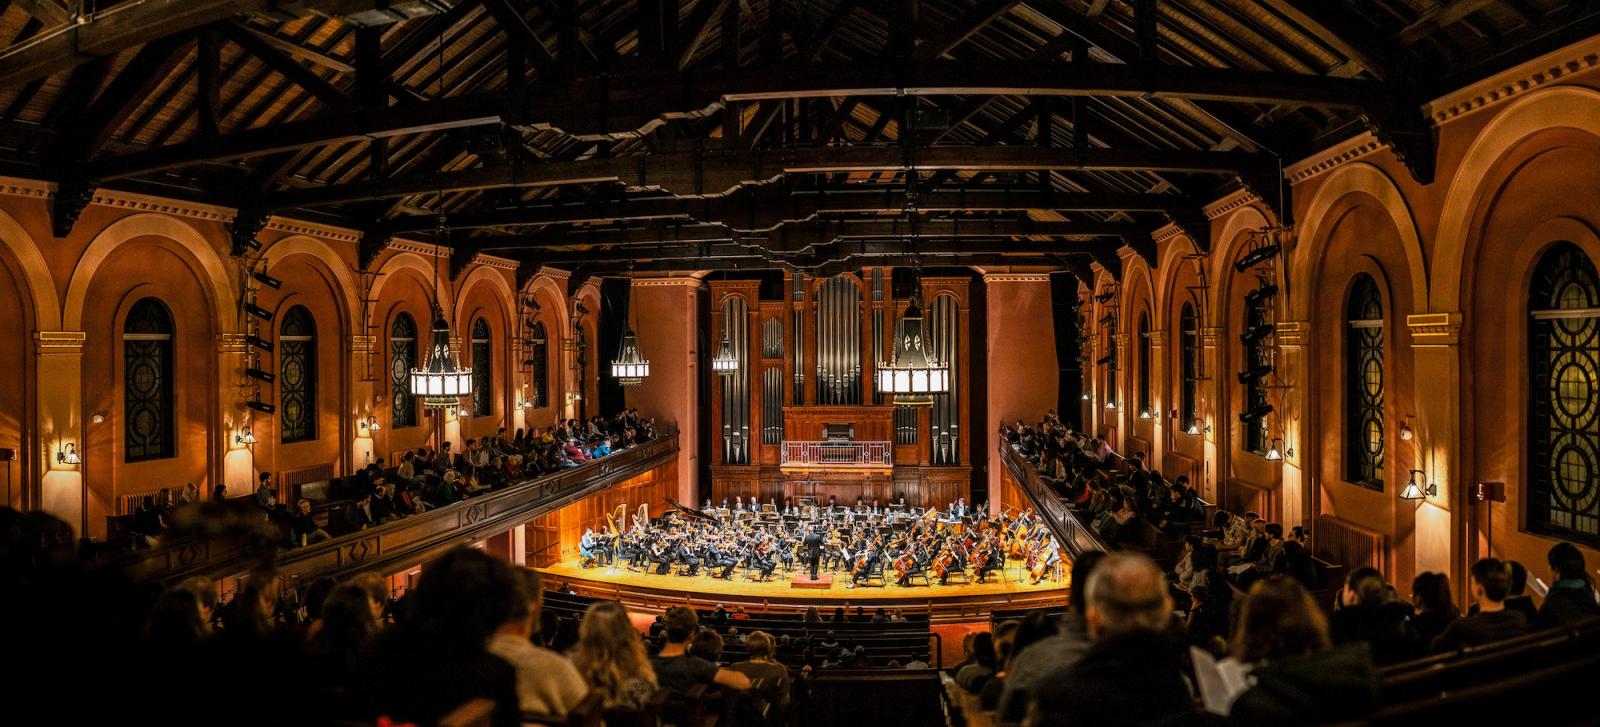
(833,503)
(860,507)
(877,509)
(725,556)
(900,504)
(738,503)
(788,507)
(906,565)
(587,550)
(864,564)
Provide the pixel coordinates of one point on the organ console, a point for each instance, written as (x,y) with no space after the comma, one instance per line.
(801,417)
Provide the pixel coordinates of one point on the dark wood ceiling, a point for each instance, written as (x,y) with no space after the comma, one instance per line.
(733,133)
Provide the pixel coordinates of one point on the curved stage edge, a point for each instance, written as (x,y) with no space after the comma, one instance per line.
(953,603)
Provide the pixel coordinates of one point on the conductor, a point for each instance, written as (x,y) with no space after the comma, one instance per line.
(813,543)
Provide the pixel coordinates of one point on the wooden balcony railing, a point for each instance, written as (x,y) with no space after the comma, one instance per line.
(829,454)
(1070,532)
(412,539)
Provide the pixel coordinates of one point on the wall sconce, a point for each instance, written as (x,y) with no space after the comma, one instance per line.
(368,425)
(1145,414)
(1196,427)
(463,413)
(1275,452)
(1111,405)
(1085,397)
(68,454)
(97,418)
(1415,490)
(245,437)
(1405,432)
(574,396)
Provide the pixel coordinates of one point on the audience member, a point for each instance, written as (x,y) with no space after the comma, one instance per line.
(1491,583)
(1296,678)
(1571,597)
(677,670)
(547,683)
(611,658)
(1367,612)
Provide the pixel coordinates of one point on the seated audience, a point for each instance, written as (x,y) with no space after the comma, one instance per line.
(770,678)
(437,658)
(1435,608)
(677,670)
(1491,583)
(1366,611)
(1134,672)
(1058,651)
(973,676)
(1295,677)
(547,683)
(611,658)
(1571,597)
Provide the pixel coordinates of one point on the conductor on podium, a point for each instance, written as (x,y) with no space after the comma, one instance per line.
(813,543)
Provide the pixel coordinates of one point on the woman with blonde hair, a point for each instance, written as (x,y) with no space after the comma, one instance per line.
(611,657)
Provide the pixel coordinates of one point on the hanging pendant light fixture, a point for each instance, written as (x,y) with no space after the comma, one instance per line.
(913,375)
(725,363)
(628,368)
(442,384)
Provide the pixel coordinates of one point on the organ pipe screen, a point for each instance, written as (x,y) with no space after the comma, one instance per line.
(772,405)
(839,342)
(736,388)
(944,340)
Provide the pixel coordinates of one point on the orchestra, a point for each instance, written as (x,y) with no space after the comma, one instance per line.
(867,543)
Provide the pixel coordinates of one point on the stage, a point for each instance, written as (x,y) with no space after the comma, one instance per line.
(955,602)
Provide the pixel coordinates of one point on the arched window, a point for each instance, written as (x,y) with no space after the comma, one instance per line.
(539,359)
(402,358)
(1564,396)
(1363,385)
(1257,355)
(1188,360)
(482,369)
(1146,406)
(147,382)
(297,376)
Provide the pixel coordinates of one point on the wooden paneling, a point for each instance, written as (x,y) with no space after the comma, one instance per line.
(651,488)
(872,423)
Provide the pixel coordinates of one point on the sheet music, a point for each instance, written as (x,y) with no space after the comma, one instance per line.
(1539,587)
(1221,682)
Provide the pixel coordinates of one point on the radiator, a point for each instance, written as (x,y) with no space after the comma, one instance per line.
(1345,543)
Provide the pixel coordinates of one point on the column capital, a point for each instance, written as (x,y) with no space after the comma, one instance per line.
(1158,339)
(666,282)
(989,278)
(1435,329)
(1294,333)
(1210,337)
(363,344)
(59,343)
(1120,340)
(231,342)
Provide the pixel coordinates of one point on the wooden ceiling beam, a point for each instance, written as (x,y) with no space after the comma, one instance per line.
(708,241)
(290,68)
(821,266)
(953,35)
(520,34)
(1349,34)
(811,49)
(697,27)
(758,209)
(114,31)
(1439,17)
(698,173)
(49,12)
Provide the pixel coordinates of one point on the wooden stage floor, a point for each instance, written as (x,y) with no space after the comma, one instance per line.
(954,602)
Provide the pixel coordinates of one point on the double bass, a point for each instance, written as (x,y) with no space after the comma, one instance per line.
(903,564)
(942,563)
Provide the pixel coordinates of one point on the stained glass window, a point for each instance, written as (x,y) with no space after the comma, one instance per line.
(147,382)
(1564,399)
(1145,404)
(482,369)
(1363,385)
(297,376)
(402,358)
(1256,354)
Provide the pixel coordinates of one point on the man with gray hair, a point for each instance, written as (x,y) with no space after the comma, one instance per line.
(1133,674)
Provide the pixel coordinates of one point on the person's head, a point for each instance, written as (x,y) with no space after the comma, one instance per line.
(1190,542)
(175,620)
(1519,577)
(681,624)
(1566,561)
(1430,592)
(376,589)
(347,616)
(1274,531)
(520,621)
(1221,519)
(1491,581)
(1126,593)
(1082,567)
(759,645)
(707,644)
(609,652)
(205,596)
(1279,619)
(265,478)
(317,594)
(1365,587)
(304,506)
(983,650)
(464,596)
(1258,526)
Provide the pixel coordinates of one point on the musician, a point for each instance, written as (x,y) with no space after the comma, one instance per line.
(865,562)
(990,557)
(723,557)
(813,545)
(660,557)
(588,550)
(877,509)
(761,559)
(738,503)
(833,503)
(901,504)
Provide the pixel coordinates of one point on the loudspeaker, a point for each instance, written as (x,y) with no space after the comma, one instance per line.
(7,454)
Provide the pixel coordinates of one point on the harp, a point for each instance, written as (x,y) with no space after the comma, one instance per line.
(620,515)
(642,517)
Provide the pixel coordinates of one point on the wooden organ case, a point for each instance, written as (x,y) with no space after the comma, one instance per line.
(806,374)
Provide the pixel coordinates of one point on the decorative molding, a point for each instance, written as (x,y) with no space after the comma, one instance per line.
(1333,157)
(1158,339)
(1505,85)
(1120,340)
(301,227)
(363,344)
(1167,232)
(400,244)
(1293,333)
(1016,277)
(231,343)
(1230,202)
(1434,329)
(666,282)
(1210,337)
(19,187)
(556,273)
(59,343)
(495,261)
(150,203)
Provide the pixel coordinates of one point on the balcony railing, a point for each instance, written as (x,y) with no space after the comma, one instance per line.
(838,454)
(1070,532)
(411,539)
